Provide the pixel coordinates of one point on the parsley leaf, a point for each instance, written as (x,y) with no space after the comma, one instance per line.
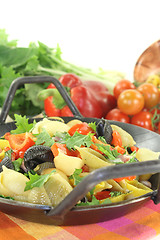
(37,180)
(2,196)
(94,202)
(22,124)
(44,138)
(17,163)
(111,154)
(75,176)
(93,126)
(115,193)
(78,140)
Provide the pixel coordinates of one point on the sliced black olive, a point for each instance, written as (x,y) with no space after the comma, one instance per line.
(7,162)
(36,155)
(104,129)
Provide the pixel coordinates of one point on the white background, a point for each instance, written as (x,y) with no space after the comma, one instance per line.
(92,33)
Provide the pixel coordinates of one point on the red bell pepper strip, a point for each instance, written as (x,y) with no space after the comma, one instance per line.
(59,147)
(129,178)
(116,139)
(91,98)
(102,195)
(20,142)
(82,128)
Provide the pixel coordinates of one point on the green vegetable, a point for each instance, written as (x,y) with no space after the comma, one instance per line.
(17,163)
(44,138)
(22,124)
(94,202)
(76,176)
(37,180)
(2,196)
(35,60)
(111,154)
(78,140)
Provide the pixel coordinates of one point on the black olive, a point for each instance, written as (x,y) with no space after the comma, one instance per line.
(36,155)
(104,129)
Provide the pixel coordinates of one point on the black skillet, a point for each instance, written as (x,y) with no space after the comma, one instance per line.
(66,213)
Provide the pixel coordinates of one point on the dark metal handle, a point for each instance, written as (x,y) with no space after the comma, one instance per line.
(98,176)
(36,79)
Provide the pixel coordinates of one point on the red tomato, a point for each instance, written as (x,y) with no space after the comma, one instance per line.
(116,115)
(121,86)
(130,102)
(81,128)
(143,119)
(102,195)
(150,93)
(20,142)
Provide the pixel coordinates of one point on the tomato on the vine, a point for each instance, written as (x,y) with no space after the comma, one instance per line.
(130,102)
(116,115)
(143,119)
(150,93)
(122,85)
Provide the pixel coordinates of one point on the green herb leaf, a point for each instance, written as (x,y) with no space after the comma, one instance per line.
(37,180)
(93,126)
(115,193)
(8,153)
(78,140)
(94,202)
(2,196)
(22,124)
(44,138)
(76,176)
(17,163)
(111,154)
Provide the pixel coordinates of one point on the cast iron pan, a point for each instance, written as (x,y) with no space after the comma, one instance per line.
(66,213)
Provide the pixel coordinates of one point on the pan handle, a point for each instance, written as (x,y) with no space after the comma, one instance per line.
(97,176)
(36,79)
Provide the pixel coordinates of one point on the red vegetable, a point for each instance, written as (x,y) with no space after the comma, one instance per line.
(116,139)
(116,115)
(20,142)
(143,119)
(91,98)
(56,147)
(130,178)
(82,128)
(121,86)
(102,195)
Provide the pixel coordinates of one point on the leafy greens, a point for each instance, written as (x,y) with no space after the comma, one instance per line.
(35,60)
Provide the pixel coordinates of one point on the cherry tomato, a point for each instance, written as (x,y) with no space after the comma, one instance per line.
(121,86)
(143,119)
(150,93)
(81,128)
(130,102)
(116,115)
